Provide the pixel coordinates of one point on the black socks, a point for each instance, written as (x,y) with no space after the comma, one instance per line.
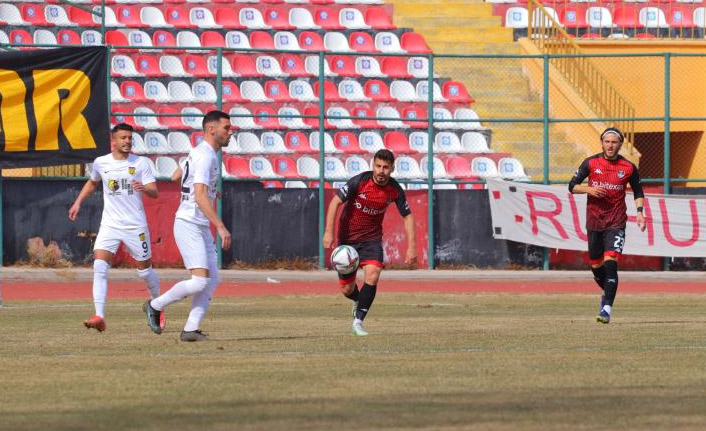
(610,285)
(365,300)
(599,275)
(353,296)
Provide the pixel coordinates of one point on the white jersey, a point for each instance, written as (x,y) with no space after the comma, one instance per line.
(201,167)
(122,204)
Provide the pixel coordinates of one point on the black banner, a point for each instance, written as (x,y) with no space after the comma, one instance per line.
(53,106)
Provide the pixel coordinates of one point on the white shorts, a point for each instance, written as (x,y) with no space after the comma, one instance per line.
(196,245)
(137,241)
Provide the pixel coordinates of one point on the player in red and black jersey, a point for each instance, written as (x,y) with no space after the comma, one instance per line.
(366,197)
(608,175)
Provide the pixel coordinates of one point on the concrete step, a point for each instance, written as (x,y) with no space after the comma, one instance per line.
(461,34)
(462,21)
(475,47)
(444,9)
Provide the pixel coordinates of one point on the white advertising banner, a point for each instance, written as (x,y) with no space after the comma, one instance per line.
(550,216)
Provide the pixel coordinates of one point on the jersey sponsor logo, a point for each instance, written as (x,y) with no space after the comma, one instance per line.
(113,185)
(367,210)
(608,186)
(131,170)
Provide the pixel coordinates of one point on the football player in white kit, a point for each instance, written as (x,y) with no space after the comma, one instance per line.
(125,177)
(193,236)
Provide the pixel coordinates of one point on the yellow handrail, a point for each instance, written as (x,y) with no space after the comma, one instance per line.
(604,99)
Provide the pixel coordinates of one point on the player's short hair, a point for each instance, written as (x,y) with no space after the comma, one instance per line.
(212,117)
(385,155)
(615,131)
(122,126)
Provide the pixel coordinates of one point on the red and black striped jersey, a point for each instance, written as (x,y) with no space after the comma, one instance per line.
(610,211)
(364,208)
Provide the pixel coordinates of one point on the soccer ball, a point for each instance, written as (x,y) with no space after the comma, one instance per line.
(344,259)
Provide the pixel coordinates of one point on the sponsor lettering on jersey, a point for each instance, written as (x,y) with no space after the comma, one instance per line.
(608,186)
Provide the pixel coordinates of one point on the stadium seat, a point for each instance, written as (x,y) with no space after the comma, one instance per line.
(147,65)
(311,41)
(204,92)
(574,16)
(277,19)
(474,142)
(422,91)
(292,65)
(510,168)
(11,15)
(277,91)
(447,142)
(396,142)
(365,117)
(192,117)
(290,118)
(268,66)
(455,91)
(133,91)
(334,168)
(128,17)
(342,65)
(261,167)
(272,142)
(32,14)
(202,17)
(245,65)
(122,115)
(652,17)
(297,141)
(178,143)
(484,167)
(147,121)
(516,17)
(180,92)
(368,67)
(122,65)
(328,142)
(700,17)
(370,141)
(458,167)
(21,36)
(237,39)
(311,64)
(377,18)
(153,17)
(302,19)
(439,170)
(591,36)
(178,17)
(68,37)
(265,117)
(252,91)
(419,142)
(284,167)
(327,19)
(412,114)
(252,18)
(227,17)
(249,143)
(78,16)
(361,41)
(43,37)
(188,39)
(231,92)
(233,146)
(352,19)
(196,138)
(116,38)
(406,167)
(468,119)
(395,67)
(599,17)
(337,42)
(356,165)
(313,122)
(301,91)
(110,18)
(138,144)
(212,38)
(238,167)
(392,113)
(330,91)
(307,167)
(56,15)
(4,38)
(334,113)
(414,43)
(626,17)
(346,142)
(377,90)
(139,38)
(351,90)
(156,143)
(115,94)
(261,40)
(196,66)
(388,42)
(286,41)
(403,91)
(540,19)
(418,67)
(164,38)
(680,17)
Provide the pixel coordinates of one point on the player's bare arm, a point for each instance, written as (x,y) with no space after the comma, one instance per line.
(148,189)
(330,221)
(640,218)
(411,256)
(597,192)
(204,203)
(176,176)
(87,190)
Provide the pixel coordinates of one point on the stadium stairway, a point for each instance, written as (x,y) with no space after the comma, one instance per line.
(469,27)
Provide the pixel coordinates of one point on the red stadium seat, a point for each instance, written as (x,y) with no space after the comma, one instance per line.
(20,36)
(231,92)
(34,14)
(244,65)
(327,18)
(118,38)
(285,167)
(238,167)
(330,91)
(261,40)
(264,117)
(272,184)
(148,65)
(626,17)
(128,16)
(277,91)
(133,91)
(362,42)
(343,65)
(178,17)
(592,36)
(456,92)
(645,36)
(412,113)
(395,67)
(365,111)
(458,167)
(574,16)
(164,38)
(68,37)
(127,119)
(311,41)
(277,18)
(293,65)
(196,138)
(213,38)
(196,66)
(314,122)
(347,142)
(378,18)
(171,122)
(81,17)
(377,90)
(414,43)
(680,17)
(297,142)
(227,17)
(396,142)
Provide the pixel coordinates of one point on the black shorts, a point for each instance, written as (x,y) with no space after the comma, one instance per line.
(605,243)
(369,253)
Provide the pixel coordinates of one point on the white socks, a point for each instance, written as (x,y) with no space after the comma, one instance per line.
(199,306)
(180,291)
(607,308)
(152,279)
(100,285)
